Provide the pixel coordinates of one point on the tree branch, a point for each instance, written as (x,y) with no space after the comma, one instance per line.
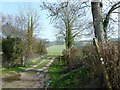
(106,20)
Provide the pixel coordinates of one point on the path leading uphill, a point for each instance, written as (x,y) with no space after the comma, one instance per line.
(32,77)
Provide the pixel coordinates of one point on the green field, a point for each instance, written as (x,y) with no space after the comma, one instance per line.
(55,50)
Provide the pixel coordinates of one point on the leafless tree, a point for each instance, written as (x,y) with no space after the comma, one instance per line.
(108,19)
(9,27)
(101,22)
(67,18)
(29,21)
(23,25)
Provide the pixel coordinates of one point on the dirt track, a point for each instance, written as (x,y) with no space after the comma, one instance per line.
(30,78)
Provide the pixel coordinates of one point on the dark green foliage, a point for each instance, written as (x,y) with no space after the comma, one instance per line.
(7,47)
(12,50)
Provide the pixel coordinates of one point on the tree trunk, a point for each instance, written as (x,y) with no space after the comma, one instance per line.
(69,39)
(97,20)
(30,39)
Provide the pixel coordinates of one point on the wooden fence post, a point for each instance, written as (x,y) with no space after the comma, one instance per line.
(95,42)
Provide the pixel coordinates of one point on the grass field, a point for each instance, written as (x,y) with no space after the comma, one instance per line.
(55,50)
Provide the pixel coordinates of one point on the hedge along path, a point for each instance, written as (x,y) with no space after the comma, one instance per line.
(107,80)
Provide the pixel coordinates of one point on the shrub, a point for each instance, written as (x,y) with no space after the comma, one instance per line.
(65,57)
(110,53)
(87,56)
(12,51)
(76,56)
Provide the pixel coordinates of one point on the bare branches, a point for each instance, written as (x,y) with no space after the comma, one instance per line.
(107,17)
(116,12)
(54,9)
(67,18)
(29,12)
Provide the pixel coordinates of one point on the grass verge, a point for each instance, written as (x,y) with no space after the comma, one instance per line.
(21,68)
(73,79)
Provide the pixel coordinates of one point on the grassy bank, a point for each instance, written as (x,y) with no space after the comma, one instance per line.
(73,79)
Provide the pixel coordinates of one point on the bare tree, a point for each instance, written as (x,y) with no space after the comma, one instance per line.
(67,17)
(108,18)
(101,22)
(10,28)
(29,22)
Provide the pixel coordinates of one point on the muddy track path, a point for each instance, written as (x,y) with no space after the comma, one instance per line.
(31,77)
